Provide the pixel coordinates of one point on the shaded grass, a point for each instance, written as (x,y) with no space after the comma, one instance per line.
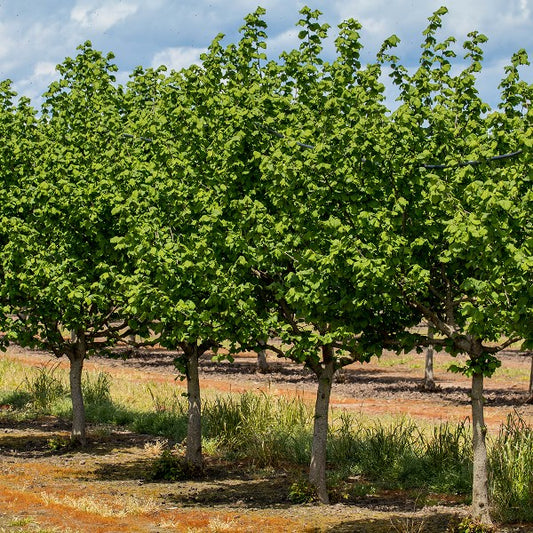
(402,454)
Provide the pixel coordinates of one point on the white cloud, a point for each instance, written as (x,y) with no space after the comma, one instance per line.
(44,69)
(6,42)
(285,41)
(178,57)
(518,13)
(101,16)
(122,77)
(44,73)
(375,26)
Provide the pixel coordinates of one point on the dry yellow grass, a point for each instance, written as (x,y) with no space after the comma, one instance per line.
(121,507)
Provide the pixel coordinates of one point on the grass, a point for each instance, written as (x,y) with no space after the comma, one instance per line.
(511,458)
(400,454)
(516,373)
(263,431)
(28,524)
(19,522)
(441,361)
(274,428)
(122,507)
(28,391)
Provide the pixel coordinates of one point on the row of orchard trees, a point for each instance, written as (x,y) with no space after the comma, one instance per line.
(243,200)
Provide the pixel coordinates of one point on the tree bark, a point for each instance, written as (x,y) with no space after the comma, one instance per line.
(77,357)
(317,470)
(193,453)
(429,377)
(531,379)
(480,485)
(262,364)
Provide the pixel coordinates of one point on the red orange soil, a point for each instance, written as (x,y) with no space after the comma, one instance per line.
(101,489)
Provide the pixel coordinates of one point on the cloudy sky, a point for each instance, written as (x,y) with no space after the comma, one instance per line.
(36,35)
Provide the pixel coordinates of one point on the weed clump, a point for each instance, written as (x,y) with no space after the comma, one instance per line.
(45,387)
(173,466)
(468,525)
(265,429)
(302,491)
(96,389)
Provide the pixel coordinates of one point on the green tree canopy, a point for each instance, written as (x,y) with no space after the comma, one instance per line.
(60,268)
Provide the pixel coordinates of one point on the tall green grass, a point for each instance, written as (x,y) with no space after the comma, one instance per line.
(511,460)
(400,454)
(267,430)
(45,387)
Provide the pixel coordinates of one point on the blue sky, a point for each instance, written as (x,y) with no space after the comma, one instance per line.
(36,35)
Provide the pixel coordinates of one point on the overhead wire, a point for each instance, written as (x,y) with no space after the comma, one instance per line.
(428,166)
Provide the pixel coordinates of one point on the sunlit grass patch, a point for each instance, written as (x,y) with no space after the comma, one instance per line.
(399,453)
(46,385)
(30,525)
(21,521)
(520,375)
(155,448)
(389,361)
(217,524)
(266,429)
(10,370)
(29,390)
(125,505)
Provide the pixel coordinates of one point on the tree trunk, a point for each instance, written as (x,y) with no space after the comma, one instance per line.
(480,485)
(317,470)
(193,454)
(531,379)
(262,364)
(429,377)
(76,358)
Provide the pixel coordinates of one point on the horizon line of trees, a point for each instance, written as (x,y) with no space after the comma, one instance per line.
(245,199)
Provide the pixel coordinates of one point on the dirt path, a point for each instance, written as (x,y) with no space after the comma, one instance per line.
(103,488)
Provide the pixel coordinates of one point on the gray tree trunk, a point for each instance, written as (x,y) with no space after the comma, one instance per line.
(429,376)
(193,453)
(262,364)
(531,379)
(77,357)
(480,485)
(317,470)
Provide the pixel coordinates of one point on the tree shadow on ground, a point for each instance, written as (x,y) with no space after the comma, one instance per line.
(352,517)
(247,493)
(134,470)
(50,436)
(400,523)
(437,522)
(364,382)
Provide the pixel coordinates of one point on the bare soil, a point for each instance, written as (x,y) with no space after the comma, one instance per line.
(104,487)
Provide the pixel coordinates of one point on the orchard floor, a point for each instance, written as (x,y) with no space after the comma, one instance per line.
(102,488)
